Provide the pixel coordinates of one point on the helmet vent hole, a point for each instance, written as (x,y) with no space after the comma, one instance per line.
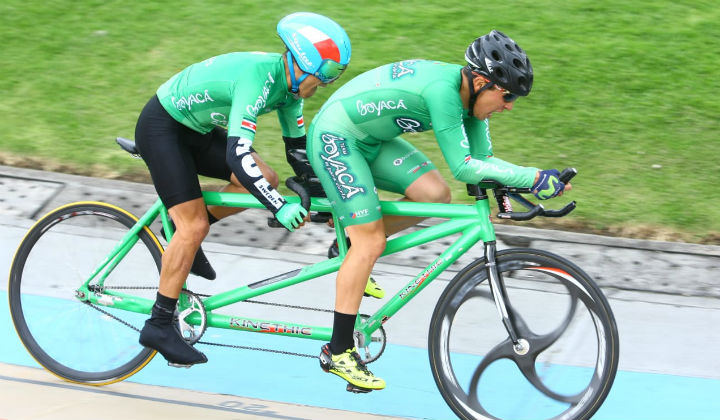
(518,64)
(496,55)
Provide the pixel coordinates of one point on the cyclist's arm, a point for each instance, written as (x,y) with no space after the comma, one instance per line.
(241,133)
(466,156)
(293,133)
(472,170)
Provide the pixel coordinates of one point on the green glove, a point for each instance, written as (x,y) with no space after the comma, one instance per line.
(291,215)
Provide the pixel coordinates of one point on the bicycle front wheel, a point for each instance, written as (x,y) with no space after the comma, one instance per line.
(73,339)
(569,354)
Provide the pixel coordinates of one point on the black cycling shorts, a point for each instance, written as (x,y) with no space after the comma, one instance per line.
(176,154)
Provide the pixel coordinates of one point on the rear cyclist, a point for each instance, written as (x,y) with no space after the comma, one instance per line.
(203,121)
(354,148)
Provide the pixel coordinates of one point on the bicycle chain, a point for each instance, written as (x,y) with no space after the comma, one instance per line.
(288,353)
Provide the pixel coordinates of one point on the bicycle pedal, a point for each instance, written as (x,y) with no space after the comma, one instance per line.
(357,389)
(179,365)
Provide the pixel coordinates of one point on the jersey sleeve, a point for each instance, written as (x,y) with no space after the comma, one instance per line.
(291,119)
(242,125)
(470,158)
(242,121)
(478,134)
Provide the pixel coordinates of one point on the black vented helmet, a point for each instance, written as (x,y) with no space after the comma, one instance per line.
(500,59)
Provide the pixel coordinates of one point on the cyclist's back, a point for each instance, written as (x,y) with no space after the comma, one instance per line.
(402,97)
(201,96)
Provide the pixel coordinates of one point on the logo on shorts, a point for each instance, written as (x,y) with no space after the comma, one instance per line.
(334,147)
(360,213)
(399,161)
(418,167)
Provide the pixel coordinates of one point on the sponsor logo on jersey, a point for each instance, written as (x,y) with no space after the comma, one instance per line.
(300,121)
(249,125)
(219,119)
(334,147)
(467,158)
(186,102)
(408,125)
(261,100)
(402,68)
(378,107)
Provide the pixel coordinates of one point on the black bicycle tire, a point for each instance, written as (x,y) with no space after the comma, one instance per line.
(14,290)
(477,268)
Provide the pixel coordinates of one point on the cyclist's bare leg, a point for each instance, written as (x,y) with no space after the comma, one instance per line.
(368,243)
(191,225)
(236,187)
(429,188)
(159,333)
(340,356)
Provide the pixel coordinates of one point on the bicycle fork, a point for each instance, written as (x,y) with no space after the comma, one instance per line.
(497,286)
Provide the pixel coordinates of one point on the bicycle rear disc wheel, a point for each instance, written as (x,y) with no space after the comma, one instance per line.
(75,340)
(569,356)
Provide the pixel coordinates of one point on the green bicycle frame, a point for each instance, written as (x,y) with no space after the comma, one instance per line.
(471,220)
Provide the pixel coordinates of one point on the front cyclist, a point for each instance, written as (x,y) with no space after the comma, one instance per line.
(354,148)
(203,121)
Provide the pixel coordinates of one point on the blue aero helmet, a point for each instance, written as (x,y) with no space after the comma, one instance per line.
(317,44)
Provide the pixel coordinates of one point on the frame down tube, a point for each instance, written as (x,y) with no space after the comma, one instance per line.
(470,236)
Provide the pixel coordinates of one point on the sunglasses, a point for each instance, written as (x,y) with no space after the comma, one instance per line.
(507,96)
(329,71)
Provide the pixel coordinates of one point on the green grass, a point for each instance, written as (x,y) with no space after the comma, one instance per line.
(624,91)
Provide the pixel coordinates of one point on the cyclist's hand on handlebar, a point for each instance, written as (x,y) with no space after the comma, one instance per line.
(291,215)
(548,185)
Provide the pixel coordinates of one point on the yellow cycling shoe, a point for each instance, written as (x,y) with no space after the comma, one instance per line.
(373,289)
(349,366)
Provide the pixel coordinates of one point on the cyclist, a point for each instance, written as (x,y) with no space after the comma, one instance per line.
(203,121)
(355,148)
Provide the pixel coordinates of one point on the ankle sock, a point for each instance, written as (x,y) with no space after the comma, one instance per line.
(342,335)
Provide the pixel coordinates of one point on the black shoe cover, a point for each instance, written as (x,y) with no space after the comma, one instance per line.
(168,342)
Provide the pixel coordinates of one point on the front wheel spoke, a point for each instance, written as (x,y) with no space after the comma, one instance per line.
(539,343)
(503,350)
(527,366)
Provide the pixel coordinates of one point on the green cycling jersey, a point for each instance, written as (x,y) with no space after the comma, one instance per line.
(355,144)
(231,91)
(421,95)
